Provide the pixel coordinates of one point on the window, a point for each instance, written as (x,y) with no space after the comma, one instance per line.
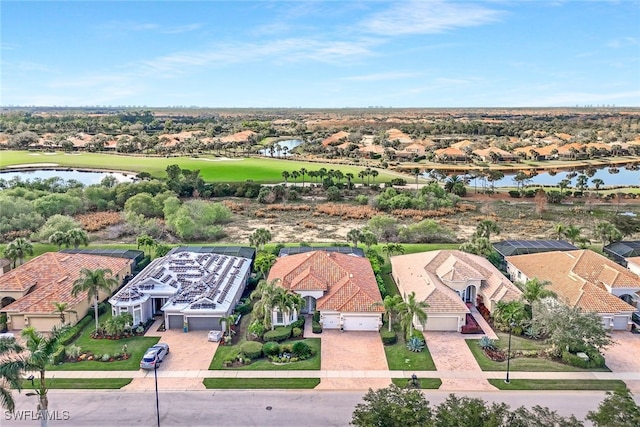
(279,317)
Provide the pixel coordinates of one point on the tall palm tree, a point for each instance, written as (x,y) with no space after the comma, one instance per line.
(391,248)
(58,238)
(303,172)
(146,241)
(597,183)
(19,247)
(263,263)
(354,235)
(607,233)
(265,292)
(10,372)
(260,237)
(286,175)
(349,176)
(392,305)
(412,310)
(534,290)
(92,282)
(511,314)
(486,227)
(559,230)
(77,237)
(573,233)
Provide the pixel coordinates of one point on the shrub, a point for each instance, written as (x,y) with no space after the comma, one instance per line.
(298,323)
(361,199)
(296,332)
(271,348)
(301,349)
(316,316)
(514,193)
(256,329)
(280,333)
(251,349)
(243,309)
(487,343)
(58,356)
(398,181)
(596,360)
(388,337)
(316,327)
(105,357)
(415,344)
(73,351)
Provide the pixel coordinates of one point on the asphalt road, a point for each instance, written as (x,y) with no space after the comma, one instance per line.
(248,408)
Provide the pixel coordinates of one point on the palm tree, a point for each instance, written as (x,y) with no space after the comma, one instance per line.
(92,282)
(260,237)
(354,235)
(18,249)
(559,230)
(597,183)
(392,305)
(263,263)
(228,321)
(10,372)
(303,172)
(534,290)
(572,233)
(39,353)
(266,293)
(77,237)
(374,173)
(412,309)
(58,238)
(510,313)
(62,308)
(295,175)
(349,176)
(451,182)
(286,175)
(369,238)
(485,228)
(391,248)
(146,241)
(607,233)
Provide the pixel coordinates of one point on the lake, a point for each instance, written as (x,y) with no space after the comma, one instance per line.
(288,143)
(623,177)
(85,177)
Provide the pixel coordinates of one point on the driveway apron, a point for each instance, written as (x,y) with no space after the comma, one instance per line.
(450,353)
(624,356)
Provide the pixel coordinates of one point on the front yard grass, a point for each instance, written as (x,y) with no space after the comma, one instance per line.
(558,384)
(136,347)
(400,358)
(532,364)
(261,383)
(425,383)
(81,383)
(264,364)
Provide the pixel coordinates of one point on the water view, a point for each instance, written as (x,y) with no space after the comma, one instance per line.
(281,148)
(85,177)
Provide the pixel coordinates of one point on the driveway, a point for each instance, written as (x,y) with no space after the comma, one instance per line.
(352,351)
(188,351)
(450,353)
(624,356)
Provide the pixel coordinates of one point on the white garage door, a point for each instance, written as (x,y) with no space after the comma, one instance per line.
(442,323)
(620,323)
(331,321)
(360,323)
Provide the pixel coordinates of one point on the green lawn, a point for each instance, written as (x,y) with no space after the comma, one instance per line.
(425,383)
(212,169)
(136,346)
(82,383)
(531,364)
(518,343)
(264,364)
(558,384)
(400,358)
(261,383)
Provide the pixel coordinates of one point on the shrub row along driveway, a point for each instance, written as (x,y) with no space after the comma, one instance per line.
(188,352)
(345,352)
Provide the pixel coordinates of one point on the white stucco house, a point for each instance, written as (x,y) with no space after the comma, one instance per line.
(585,279)
(451,282)
(342,287)
(192,290)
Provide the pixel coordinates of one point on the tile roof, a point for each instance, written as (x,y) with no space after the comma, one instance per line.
(51,275)
(579,278)
(425,273)
(347,281)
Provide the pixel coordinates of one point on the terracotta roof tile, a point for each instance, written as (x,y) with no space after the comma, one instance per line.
(347,280)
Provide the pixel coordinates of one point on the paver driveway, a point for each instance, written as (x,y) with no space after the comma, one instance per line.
(624,356)
(450,353)
(352,351)
(189,351)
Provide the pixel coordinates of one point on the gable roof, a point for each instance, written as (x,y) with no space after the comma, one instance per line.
(50,277)
(579,278)
(347,281)
(426,274)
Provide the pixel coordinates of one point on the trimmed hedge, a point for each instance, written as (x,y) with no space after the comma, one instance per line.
(271,348)
(316,316)
(280,333)
(59,355)
(316,327)
(243,309)
(298,323)
(388,337)
(251,349)
(76,330)
(596,360)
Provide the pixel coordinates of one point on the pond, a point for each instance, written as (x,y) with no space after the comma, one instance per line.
(287,144)
(609,177)
(85,177)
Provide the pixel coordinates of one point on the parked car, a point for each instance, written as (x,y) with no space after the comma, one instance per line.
(154,355)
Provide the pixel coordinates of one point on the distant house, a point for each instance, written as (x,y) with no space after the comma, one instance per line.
(622,250)
(492,154)
(451,281)
(585,279)
(342,287)
(507,248)
(192,289)
(450,154)
(29,292)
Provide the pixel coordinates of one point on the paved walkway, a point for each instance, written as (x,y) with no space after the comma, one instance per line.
(450,353)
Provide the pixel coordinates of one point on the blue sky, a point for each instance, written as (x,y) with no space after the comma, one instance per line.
(321,54)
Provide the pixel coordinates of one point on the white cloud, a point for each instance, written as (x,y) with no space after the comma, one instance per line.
(427,17)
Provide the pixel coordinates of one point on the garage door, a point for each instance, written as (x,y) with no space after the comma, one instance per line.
(360,323)
(620,323)
(442,323)
(331,321)
(203,323)
(175,322)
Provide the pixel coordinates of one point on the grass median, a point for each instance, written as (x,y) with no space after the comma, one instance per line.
(425,383)
(81,383)
(557,384)
(261,383)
